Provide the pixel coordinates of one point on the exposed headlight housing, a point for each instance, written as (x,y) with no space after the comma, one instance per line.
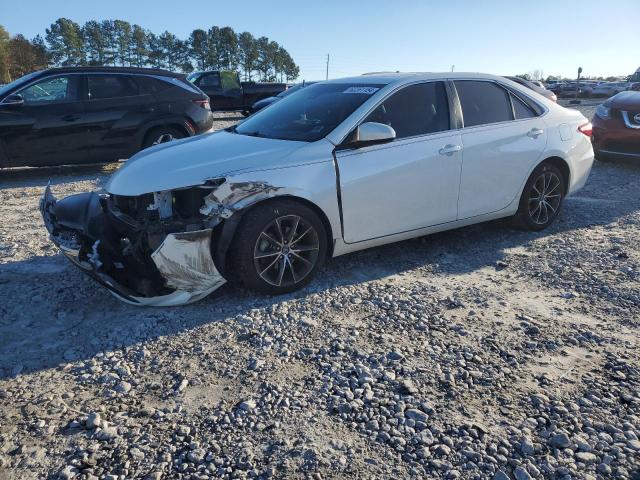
(603,112)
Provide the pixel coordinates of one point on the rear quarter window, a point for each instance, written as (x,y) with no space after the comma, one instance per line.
(521,109)
(150,85)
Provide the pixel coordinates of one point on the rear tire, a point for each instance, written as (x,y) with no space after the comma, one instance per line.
(541,198)
(161,135)
(278,248)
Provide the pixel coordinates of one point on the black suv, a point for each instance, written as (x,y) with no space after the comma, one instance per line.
(95,114)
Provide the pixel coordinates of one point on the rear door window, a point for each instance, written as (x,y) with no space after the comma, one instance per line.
(483,102)
(110,86)
(415,110)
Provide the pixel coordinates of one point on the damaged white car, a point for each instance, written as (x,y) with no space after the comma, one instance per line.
(336,167)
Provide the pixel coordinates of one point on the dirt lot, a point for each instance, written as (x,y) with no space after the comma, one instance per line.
(478,353)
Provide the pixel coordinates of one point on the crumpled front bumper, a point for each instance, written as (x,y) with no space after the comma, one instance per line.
(182,264)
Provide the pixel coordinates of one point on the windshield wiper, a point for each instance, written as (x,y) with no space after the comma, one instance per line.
(253,134)
(231,129)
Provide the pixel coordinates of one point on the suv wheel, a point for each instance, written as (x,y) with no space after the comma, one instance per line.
(278,248)
(161,135)
(541,198)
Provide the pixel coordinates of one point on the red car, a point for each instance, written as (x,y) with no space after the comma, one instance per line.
(616,127)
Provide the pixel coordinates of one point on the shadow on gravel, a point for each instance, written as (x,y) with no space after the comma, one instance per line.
(52,314)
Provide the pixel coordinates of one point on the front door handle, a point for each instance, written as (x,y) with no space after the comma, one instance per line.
(535,132)
(450,149)
(71,118)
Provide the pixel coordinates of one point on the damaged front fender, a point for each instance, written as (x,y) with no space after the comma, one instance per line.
(185,261)
(155,248)
(180,270)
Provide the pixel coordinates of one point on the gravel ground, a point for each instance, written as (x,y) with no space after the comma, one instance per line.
(478,353)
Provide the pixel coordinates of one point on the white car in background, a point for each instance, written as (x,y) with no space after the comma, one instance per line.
(336,167)
(609,89)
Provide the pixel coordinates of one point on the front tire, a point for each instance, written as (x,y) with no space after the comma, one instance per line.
(541,198)
(278,248)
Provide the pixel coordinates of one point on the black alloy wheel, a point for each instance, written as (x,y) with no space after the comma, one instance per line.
(541,198)
(278,247)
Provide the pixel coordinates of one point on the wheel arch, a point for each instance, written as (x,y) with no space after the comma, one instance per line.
(225,232)
(562,165)
(554,160)
(181,124)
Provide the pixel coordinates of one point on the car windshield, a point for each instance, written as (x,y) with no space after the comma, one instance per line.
(310,114)
(17,82)
(635,77)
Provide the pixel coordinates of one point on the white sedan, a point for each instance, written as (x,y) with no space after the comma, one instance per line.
(337,167)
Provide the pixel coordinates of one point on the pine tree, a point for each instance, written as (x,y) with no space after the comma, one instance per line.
(122,36)
(95,43)
(248,53)
(66,42)
(198,48)
(139,46)
(5,76)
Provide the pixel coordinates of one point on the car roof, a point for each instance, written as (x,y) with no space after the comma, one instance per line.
(386,78)
(131,70)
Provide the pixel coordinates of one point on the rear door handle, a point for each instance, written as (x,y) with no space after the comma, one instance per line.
(535,132)
(450,149)
(71,118)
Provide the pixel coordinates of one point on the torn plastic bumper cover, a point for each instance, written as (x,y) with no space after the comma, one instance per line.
(144,255)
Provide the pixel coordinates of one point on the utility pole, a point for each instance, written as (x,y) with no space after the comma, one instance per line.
(575,101)
(327,67)
(452,67)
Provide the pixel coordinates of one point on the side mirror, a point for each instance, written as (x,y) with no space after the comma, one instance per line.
(15,100)
(370,133)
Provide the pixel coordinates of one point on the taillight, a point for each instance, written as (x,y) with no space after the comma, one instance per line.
(587,129)
(203,103)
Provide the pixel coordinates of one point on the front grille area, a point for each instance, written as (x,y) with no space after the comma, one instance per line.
(134,207)
(615,113)
(632,117)
(621,147)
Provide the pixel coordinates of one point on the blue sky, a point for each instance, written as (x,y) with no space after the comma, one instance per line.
(496,36)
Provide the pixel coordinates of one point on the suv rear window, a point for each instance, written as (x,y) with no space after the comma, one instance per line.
(110,86)
(151,85)
(483,102)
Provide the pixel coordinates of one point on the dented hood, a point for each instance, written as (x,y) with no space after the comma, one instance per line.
(188,162)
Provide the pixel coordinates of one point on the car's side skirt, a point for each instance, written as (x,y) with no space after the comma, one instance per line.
(341,247)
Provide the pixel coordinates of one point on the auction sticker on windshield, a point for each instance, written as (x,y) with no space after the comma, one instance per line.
(366,90)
